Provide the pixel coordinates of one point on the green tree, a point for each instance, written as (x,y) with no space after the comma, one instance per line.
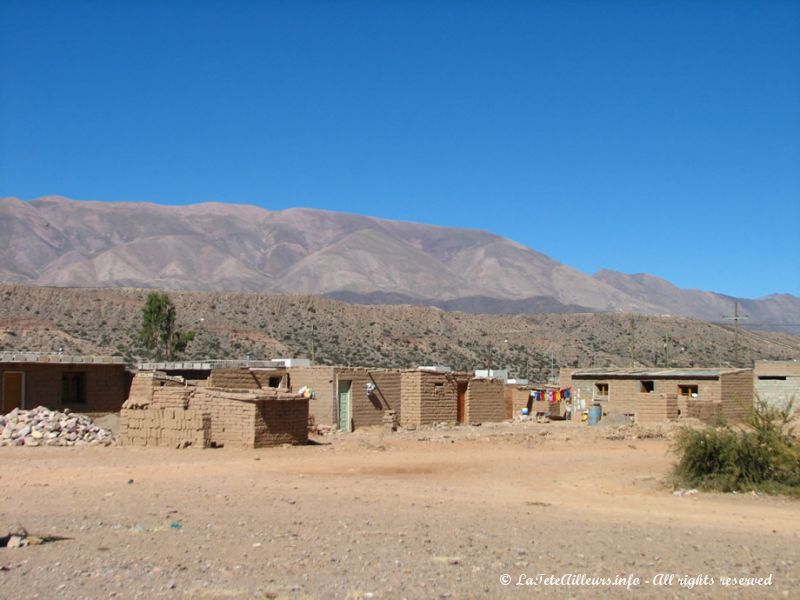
(159,334)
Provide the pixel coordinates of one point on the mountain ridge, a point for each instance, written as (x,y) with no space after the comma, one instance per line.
(213,246)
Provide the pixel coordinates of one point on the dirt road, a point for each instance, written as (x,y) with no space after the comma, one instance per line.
(463,513)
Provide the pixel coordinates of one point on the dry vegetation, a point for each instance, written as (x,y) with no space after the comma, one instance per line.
(234,325)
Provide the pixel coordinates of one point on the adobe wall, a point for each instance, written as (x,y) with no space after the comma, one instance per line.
(737,395)
(323,407)
(281,421)
(106,385)
(624,394)
(368,409)
(233,379)
(485,401)
(170,413)
(264,377)
(173,428)
(516,398)
(656,408)
(428,398)
(786,368)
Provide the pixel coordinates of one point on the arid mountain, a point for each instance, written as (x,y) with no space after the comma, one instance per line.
(221,247)
(235,325)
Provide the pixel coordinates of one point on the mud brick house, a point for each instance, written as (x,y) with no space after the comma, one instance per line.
(708,394)
(84,384)
(429,397)
(777,382)
(169,410)
(349,397)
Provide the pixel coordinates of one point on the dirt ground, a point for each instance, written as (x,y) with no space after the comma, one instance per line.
(486,512)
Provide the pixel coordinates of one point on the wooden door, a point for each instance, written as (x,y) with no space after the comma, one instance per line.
(13,390)
(461,410)
(345,416)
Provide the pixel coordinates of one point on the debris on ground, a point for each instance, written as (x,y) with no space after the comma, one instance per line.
(44,427)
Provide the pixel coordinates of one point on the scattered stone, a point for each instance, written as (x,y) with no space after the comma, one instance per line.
(41,426)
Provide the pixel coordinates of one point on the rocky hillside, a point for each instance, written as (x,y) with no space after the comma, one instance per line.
(234,325)
(222,247)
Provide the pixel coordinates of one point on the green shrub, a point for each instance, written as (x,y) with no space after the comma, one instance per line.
(764,456)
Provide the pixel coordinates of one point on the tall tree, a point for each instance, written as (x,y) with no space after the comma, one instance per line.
(159,334)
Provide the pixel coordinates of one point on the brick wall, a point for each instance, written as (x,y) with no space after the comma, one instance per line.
(106,385)
(429,398)
(388,392)
(163,412)
(233,379)
(174,428)
(266,376)
(516,399)
(705,410)
(281,421)
(624,394)
(737,395)
(323,407)
(656,408)
(485,402)
(786,368)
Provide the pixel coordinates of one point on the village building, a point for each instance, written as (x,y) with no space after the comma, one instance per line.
(664,394)
(437,396)
(349,397)
(777,382)
(228,408)
(86,384)
(536,399)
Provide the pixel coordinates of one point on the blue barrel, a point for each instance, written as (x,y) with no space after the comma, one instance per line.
(595,414)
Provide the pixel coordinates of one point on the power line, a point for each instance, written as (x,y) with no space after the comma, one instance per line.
(736,318)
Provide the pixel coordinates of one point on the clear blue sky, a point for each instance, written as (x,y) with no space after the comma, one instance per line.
(639,136)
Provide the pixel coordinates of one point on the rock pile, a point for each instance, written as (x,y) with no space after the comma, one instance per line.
(43,427)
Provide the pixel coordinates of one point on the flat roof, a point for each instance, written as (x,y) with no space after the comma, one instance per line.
(652,373)
(207,365)
(58,358)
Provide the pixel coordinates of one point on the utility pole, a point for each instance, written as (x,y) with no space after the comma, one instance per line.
(736,318)
(633,342)
(666,350)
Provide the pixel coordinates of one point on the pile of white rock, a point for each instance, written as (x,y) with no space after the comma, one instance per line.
(44,427)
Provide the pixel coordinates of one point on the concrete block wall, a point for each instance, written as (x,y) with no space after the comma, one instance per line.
(656,408)
(778,392)
(737,395)
(485,401)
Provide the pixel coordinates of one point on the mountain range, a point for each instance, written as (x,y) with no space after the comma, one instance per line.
(55,241)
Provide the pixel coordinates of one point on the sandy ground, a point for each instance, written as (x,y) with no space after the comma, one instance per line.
(425,514)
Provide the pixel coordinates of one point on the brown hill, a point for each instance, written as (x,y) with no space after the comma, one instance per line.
(234,325)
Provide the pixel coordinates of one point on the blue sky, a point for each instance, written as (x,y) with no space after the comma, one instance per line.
(639,136)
